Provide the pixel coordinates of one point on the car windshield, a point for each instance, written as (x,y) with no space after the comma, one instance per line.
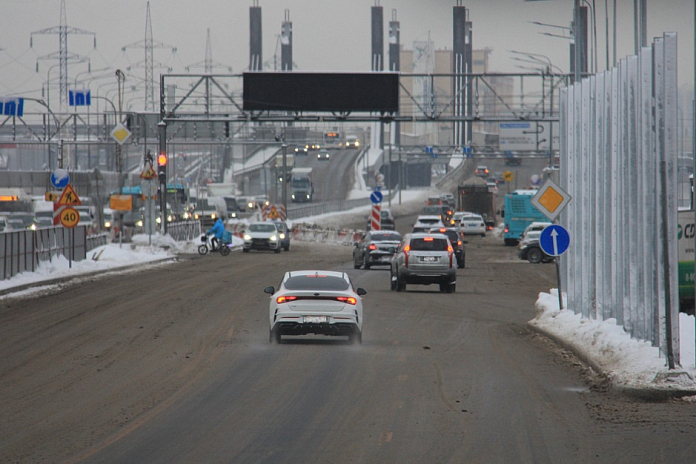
(472,218)
(262,228)
(429,221)
(316,282)
(386,237)
(428,244)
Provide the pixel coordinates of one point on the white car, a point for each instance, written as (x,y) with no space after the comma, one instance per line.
(473,224)
(315,302)
(458,215)
(425,222)
(262,236)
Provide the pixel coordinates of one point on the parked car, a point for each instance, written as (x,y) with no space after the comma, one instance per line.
(458,243)
(473,224)
(315,302)
(375,248)
(532,252)
(426,222)
(386,220)
(424,259)
(261,236)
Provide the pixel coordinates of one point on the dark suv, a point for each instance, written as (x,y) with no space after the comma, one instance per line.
(424,259)
(375,248)
(456,239)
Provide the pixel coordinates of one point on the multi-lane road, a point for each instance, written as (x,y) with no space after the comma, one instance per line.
(172,364)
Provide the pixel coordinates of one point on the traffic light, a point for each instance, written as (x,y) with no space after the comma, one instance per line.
(162,167)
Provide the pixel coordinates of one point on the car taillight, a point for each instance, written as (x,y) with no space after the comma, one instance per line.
(507,229)
(285,299)
(372,246)
(407,249)
(347,299)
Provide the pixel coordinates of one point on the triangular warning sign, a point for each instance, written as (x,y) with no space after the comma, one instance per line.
(69,197)
(148,173)
(273,214)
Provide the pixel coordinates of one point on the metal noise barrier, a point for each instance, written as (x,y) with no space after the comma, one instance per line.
(619,164)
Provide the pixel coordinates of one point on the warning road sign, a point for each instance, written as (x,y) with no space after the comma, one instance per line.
(69,197)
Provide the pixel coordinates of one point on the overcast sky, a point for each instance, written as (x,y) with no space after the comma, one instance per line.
(327,34)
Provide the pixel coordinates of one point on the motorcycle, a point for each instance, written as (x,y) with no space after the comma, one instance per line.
(207,246)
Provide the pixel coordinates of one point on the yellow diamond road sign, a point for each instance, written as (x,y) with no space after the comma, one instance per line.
(120,133)
(551,199)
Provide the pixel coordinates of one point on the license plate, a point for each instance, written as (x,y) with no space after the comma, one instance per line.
(315,319)
(429,259)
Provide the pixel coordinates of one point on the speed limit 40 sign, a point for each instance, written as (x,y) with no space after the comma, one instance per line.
(69,217)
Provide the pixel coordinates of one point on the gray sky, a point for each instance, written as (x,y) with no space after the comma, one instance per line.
(327,34)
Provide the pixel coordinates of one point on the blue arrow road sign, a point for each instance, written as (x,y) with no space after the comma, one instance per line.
(12,107)
(60,178)
(376,197)
(554,240)
(81,97)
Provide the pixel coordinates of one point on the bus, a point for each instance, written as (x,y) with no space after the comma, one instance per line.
(333,139)
(177,196)
(519,213)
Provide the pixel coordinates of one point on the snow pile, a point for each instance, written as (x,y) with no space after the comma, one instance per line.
(628,363)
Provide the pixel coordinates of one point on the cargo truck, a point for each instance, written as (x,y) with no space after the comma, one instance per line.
(301,186)
(474,196)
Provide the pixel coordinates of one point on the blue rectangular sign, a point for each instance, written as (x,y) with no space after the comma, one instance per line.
(79,98)
(12,107)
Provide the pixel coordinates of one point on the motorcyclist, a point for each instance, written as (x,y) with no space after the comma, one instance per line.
(218,230)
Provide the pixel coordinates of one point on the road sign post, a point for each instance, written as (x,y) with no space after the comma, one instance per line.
(554,241)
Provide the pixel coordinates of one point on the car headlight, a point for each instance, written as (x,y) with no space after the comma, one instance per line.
(196,216)
(282,236)
(251,205)
(293,196)
(187,215)
(158,220)
(107,224)
(170,218)
(213,216)
(273,238)
(32,227)
(139,223)
(247,237)
(233,215)
(308,196)
(357,144)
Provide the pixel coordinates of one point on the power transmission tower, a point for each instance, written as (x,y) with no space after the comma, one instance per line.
(63,56)
(149,63)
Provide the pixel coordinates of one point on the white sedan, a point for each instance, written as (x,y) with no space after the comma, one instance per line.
(316,302)
(473,224)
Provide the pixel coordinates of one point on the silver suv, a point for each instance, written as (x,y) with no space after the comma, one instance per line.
(424,258)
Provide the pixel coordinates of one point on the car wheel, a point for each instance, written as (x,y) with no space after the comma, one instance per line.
(245,250)
(287,248)
(452,288)
(366,263)
(355,337)
(225,250)
(444,288)
(392,282)
(274,336)
(534,255)
(483,235)
(460,263)
(400,285)
(202,250)
(277,250)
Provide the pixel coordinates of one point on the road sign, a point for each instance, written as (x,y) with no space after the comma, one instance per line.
(376,197)
(12,106)
(120,133)
(69,217)
(551,199)
(60,178)
(376,217)
(508,176)
(52,196)
(554,240)
(69,197)
(81,97)
(148,173)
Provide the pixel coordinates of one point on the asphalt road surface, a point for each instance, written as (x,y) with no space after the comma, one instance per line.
(172,364)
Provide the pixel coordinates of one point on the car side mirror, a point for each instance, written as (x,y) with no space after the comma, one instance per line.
(361,291)
(270,290)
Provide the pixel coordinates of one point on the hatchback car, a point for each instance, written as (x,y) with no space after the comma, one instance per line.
(424,259)
(473,224)
(261,236)
(375,248)
(315,302)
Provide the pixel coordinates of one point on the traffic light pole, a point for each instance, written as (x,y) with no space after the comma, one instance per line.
(162,174)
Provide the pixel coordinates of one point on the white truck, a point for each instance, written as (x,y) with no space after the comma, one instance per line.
(302,188)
